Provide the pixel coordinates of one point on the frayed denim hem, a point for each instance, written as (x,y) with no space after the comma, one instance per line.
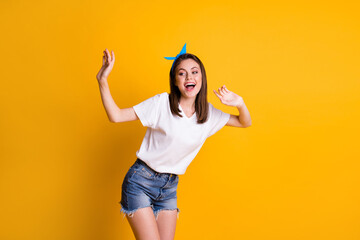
(156,213)
(130,213)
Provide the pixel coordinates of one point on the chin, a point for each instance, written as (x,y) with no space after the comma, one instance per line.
(191,94)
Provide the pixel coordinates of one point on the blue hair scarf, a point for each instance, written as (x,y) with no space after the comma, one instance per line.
(183,50)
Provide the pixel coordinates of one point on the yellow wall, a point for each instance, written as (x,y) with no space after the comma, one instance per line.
(294,174)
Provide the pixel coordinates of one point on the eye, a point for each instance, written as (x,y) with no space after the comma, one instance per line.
(195,72)
(181,74)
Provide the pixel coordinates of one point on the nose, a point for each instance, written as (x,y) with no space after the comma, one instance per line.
(188,76)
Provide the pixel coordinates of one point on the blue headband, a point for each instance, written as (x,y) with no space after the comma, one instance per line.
(183,50)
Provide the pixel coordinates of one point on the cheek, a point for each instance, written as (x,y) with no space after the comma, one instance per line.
(200,82)
(178,82)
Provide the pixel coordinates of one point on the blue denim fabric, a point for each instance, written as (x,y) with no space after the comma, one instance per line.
(145,187)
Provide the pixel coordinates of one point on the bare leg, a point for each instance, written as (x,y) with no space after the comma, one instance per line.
(143,224)
(166,223)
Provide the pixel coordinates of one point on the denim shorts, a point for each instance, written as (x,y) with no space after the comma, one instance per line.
(145,187)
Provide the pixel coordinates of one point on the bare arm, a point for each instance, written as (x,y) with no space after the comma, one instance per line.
(243,120)
(114,113)
(231,99)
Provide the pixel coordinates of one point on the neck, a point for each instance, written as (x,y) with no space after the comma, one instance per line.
(187,103)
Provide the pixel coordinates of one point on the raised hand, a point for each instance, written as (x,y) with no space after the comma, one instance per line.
(108,64)
(229,98)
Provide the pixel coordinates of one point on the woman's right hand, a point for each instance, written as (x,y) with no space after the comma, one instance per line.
(108,64)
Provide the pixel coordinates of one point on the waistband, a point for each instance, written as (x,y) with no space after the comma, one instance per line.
(138,160)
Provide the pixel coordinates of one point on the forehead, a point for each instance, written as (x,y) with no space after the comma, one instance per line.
(187,64)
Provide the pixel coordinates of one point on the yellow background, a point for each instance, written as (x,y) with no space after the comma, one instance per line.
(294,174)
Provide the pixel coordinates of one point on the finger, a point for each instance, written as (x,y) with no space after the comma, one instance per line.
(106,56)
(219,90)
(226,90)
(103,59)
(113,55)
(217,94)
(109,56)
(223,91)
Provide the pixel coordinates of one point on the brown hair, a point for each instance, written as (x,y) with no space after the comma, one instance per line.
(201,103)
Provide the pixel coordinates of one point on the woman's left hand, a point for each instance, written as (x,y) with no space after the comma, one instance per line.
(229,98)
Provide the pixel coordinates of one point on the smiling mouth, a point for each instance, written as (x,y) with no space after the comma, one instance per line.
(190,86)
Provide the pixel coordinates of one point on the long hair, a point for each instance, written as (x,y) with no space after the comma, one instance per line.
(201,103)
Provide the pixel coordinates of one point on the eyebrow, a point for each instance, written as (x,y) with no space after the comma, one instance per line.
(185,70)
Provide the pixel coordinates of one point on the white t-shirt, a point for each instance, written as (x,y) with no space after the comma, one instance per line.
(172,142)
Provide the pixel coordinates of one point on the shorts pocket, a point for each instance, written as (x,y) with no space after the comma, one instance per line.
(130,173)
(176,181)
(144,172)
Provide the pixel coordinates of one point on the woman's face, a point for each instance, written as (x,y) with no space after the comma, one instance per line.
(188,78)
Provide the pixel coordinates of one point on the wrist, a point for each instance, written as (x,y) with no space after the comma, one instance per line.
(102,81)
(240,105)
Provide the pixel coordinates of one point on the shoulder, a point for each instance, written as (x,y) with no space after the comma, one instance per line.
(217,113)
(212,108)
(159,97)
(163,95)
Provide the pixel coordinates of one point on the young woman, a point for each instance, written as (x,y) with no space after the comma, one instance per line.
(177,126)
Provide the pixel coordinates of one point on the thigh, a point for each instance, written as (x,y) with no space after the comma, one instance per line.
(166,222)
(143,224)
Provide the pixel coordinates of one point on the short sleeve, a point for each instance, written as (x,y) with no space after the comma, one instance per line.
(148,111)
(217,119)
